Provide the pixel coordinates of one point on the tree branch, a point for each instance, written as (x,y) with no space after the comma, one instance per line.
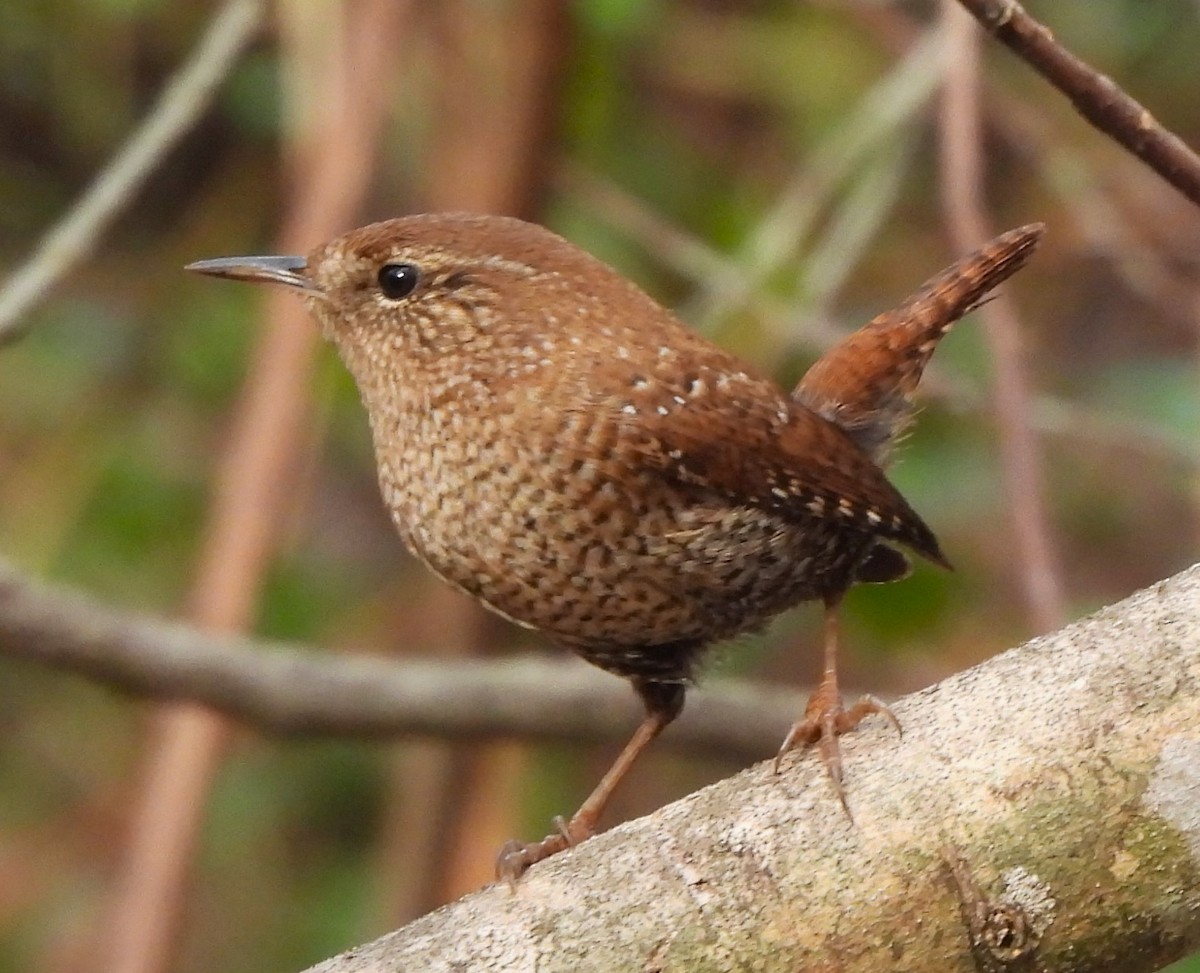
(300,691)
(1039,813)
(1095,96)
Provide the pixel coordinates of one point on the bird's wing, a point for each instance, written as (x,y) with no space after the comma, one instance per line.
(744,439)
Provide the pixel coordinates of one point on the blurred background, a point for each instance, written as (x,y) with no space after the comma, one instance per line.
(777,171)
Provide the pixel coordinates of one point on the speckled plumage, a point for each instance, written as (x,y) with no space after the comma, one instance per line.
(553,442)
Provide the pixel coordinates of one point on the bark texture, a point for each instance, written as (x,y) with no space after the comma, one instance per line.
(1042,812)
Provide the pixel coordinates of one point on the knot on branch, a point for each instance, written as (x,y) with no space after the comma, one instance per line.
(1005,930)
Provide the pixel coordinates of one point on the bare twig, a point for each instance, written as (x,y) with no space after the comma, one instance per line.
(300,691)
(1096,97)
(1035,565)
(181,103)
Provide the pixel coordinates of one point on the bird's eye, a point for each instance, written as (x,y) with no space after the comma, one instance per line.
(398,280)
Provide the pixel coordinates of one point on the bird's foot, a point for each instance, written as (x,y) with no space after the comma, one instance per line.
(516,857)
(824,721)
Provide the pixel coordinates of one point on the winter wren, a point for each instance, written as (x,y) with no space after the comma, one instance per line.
(555,443)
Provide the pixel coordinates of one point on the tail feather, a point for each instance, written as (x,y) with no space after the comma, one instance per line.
(866,382)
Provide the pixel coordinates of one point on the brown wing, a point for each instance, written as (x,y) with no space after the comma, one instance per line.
(746,440)
(675,403)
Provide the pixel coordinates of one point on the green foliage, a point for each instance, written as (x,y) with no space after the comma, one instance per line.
(1161,393)
(252,99)
(617,20)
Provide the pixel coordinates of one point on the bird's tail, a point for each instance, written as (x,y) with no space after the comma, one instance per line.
(865,383)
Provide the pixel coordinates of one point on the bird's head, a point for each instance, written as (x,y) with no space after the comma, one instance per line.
(444,292)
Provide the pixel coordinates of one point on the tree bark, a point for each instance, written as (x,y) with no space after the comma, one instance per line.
(1042,812)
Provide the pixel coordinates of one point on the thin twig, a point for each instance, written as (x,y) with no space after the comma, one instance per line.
(962,175)
(1095,96)
(182,102)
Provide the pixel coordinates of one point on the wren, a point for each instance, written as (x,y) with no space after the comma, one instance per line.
(553,442)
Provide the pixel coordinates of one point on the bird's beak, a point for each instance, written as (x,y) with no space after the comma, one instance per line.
(259,270)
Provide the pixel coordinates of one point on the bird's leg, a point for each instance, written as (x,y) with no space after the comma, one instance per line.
(664,702)
(824,718)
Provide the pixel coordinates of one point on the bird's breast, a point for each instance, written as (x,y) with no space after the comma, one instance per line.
(563,521)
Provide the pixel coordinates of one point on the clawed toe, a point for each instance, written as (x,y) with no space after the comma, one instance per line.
(512,861)
(868,706)
(516,857)
(824,721)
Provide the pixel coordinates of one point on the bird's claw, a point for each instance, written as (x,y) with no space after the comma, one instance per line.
(515,857)
(824,721)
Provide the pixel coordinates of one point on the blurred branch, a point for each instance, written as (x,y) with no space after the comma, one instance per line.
(1054,416)
(181,103)
(686,254)
(1039,814)
(671,245)
(962,168)
(1095,96)
(291,690)
(869,201)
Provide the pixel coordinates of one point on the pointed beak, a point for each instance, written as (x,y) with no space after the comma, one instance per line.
(258,270)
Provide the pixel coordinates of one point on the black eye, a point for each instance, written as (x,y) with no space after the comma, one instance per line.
(398,280)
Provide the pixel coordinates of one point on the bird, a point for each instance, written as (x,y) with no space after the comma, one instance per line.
(553,442)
